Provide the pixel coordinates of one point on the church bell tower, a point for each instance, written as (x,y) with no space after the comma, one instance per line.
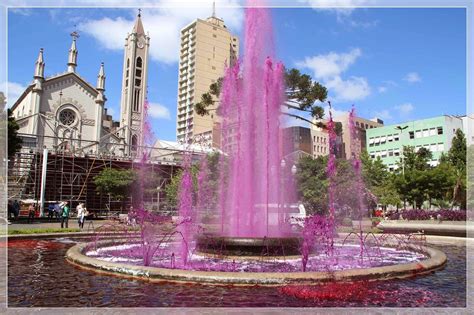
(134,87)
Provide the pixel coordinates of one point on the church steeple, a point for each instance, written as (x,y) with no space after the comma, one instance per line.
(72,58)
(134,86)
(138,27)
(101,78)
(39,66)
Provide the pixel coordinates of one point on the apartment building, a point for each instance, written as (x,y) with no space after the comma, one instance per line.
(206,47)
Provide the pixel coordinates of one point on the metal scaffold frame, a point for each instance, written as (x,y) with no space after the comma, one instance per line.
(70,176)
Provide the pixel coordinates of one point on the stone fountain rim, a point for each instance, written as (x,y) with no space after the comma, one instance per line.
(437,259)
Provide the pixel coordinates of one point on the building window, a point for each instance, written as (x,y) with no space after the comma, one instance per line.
(426,133)
(139,62)
(418,134)
(136,101)
(440,130)
(67,117)
(134,142)
(433,132)
(412,135)
(396,137)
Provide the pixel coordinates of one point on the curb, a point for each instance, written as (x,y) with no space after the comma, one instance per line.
(436,261)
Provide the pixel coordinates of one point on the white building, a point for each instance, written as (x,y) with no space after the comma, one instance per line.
(64,112)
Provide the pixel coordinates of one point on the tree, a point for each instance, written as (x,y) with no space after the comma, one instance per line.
(172,189)
(116,183)
(470,178)
(313,184)
(375,174)
(412,180)
(301,91)
(387,193)
(14,141)
(457,158)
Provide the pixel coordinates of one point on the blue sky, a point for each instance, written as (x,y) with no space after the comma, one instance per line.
(396,64)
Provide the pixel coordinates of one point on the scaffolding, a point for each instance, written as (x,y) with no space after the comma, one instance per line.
(70,176)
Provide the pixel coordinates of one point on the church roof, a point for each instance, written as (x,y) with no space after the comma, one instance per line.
(86,84)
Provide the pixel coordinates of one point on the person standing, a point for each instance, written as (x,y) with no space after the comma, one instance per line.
(16,209)
(65,215)
(81,214)
(31,213)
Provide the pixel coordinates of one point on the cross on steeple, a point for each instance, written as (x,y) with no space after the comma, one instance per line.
(75,34)
(139,12)
(214,9)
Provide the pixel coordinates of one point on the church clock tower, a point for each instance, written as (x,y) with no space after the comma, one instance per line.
(134,87)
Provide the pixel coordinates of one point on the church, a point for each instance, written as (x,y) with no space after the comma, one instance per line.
(65,113)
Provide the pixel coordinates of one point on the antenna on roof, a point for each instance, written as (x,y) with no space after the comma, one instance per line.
(214,9)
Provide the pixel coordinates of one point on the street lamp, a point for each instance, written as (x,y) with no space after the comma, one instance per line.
(403,157)
(400,128)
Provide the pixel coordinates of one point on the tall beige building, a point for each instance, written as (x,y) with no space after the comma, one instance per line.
(206,47)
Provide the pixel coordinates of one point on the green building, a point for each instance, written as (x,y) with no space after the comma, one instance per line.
(435,134)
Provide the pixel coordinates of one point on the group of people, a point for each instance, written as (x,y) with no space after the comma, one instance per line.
(62,211)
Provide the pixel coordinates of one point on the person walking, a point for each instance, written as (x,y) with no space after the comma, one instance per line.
(65,215)
(81,214)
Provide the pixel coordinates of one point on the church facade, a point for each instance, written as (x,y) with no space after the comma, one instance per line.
(65,113)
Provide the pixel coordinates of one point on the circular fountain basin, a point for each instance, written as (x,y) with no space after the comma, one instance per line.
(248,246)
(432,261)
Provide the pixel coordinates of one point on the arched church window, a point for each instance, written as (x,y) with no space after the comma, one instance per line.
(136,101)
(138,72)
(134,142)
(67,117)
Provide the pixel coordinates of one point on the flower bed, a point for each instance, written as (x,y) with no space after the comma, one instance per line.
(419,214)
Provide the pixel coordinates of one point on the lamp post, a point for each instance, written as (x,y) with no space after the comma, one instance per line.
(400,128)
(403,157)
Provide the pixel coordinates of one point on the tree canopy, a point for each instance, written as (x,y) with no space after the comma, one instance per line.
(14,141)
(301,92)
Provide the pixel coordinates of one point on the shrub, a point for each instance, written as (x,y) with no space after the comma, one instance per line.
(420,214)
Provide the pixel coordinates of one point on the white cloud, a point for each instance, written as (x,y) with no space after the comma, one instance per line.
(412,77)
(335,112)
(382,89)
(14,90)
(383,114)
(352,89)
(343,10)
(158,111)
(344,5)
(405,108)
(163,23)
(330,65)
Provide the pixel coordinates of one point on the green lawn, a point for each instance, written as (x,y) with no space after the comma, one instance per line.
(41,230)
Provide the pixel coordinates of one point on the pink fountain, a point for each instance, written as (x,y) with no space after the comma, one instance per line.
(254,196)
(250,234)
